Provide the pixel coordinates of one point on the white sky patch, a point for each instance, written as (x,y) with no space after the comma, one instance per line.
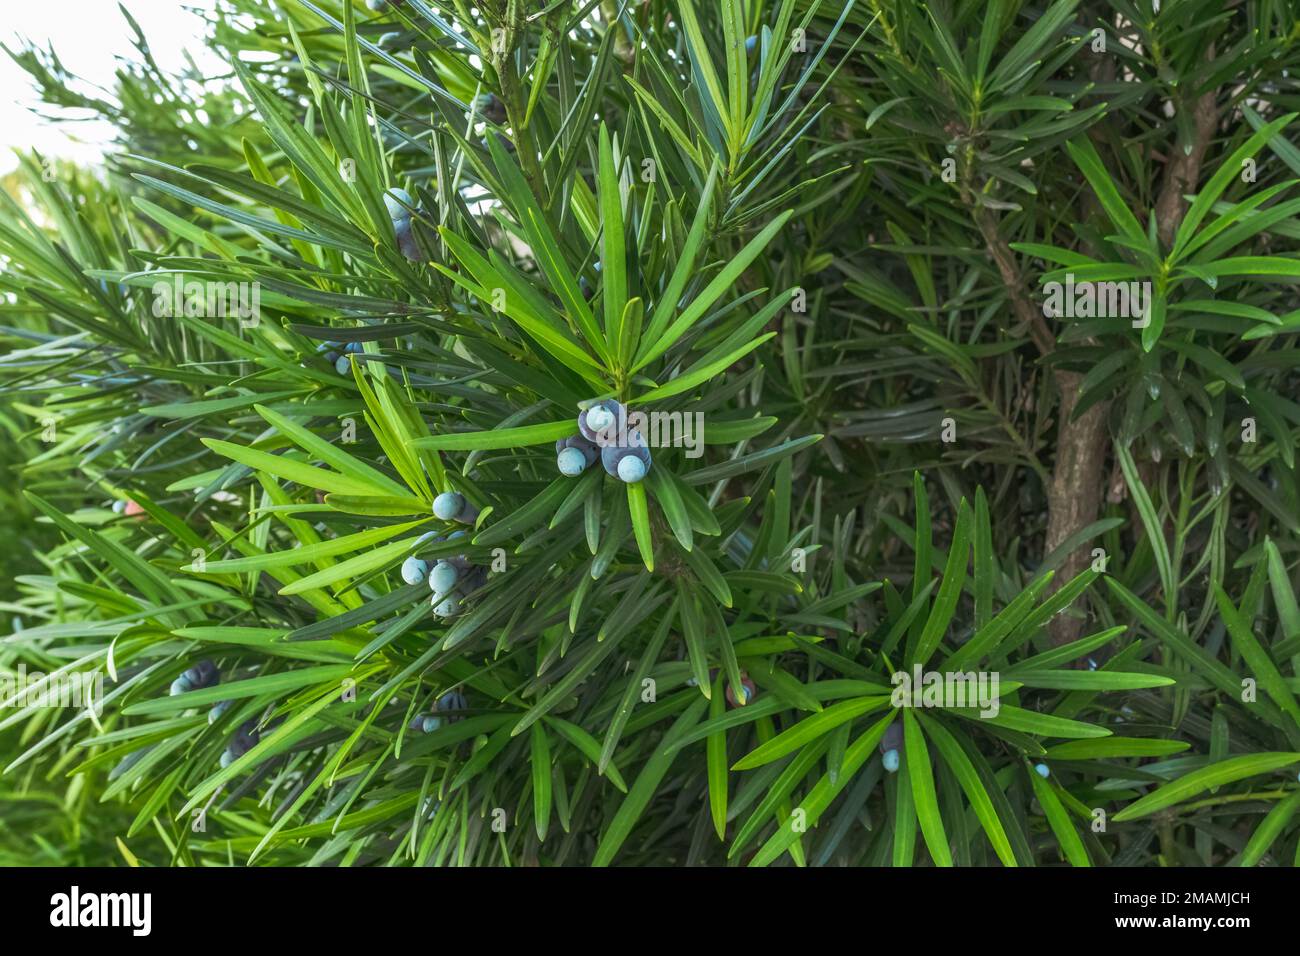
(89,36)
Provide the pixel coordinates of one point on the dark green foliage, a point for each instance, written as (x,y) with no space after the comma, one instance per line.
(834,244)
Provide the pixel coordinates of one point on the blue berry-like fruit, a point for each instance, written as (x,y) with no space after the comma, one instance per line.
(571,462)
(573,455)
(399,204)
(750,44)
(449,505)
(426,723)
(1042,770)
(343,366)
(204,674)
(414,570)
(890,761)
(447,607)
(631,469)
(443,577)
(201,675)
(449,704)
(599,418)
(601,423)
(892,739)
(406,243)
(613,459)
(218,710)
(245,739)
(453,700)
(330,351)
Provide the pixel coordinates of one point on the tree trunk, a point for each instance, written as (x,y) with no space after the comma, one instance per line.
(1074,498)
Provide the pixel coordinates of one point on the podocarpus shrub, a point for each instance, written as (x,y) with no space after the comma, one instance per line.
(376,588)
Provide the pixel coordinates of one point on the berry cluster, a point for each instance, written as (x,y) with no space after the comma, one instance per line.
(336,353)
(450,579)
(604,433)
(205,674)
(201,675)
(451,706)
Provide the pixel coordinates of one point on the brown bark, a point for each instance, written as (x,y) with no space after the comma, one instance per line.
(1074,498)
(1074,494)
(1078,475)
(1184,168)
(1079,472)
(1027,311)
(1078,482)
